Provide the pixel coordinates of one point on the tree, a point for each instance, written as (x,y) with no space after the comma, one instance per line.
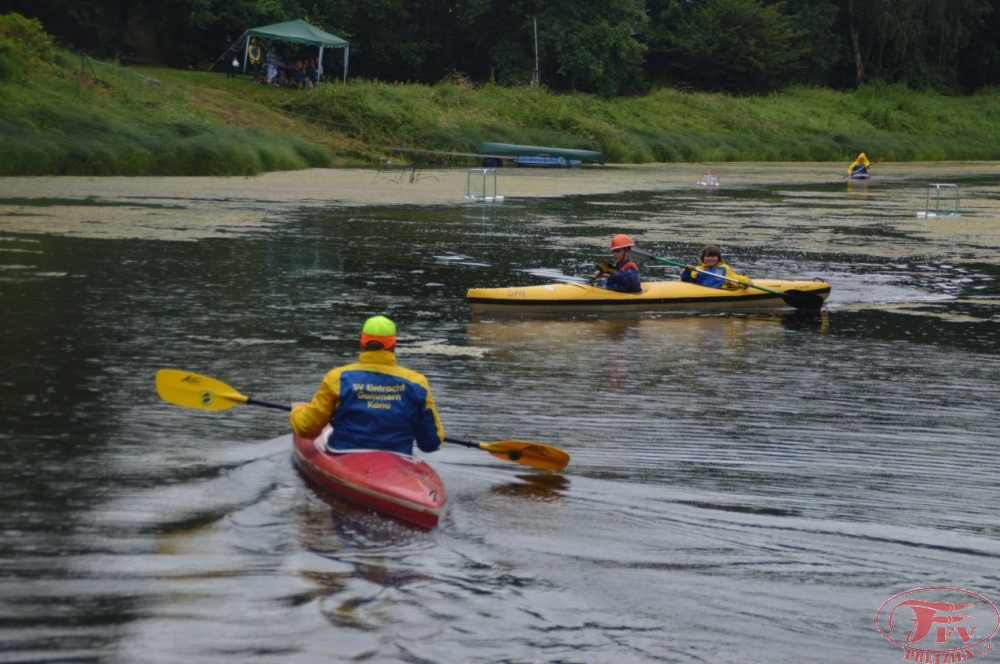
(411,40)
(739,46)
(917,42)
(24,47)
(89,25)
(605,47)
(978,61)
(820,40)
(595,47)
(589,48)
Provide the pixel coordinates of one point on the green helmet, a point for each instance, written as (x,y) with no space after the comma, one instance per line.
(378,333)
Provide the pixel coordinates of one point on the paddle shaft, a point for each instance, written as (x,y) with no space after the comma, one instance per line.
(265,404)
(192,390)
(868,167)
(466,443)
(643,254)
(735,281)
(281,406)
(501,449)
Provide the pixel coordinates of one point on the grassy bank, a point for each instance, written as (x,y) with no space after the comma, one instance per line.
(666,126)
(75,116)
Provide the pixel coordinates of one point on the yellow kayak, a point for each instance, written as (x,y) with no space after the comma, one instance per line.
(655,296)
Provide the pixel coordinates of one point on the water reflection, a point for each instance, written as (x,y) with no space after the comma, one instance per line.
(617,347)
(817,321)
(541,487)
(858,189)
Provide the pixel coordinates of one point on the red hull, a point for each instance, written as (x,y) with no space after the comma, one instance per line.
(390,483)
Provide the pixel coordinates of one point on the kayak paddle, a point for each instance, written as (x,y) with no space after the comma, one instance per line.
(793,298)
(191,390)
(523,452)
(607,268)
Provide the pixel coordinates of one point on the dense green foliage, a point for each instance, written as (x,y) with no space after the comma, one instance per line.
(604,47)
(24,47)
(66,114)
(60,117)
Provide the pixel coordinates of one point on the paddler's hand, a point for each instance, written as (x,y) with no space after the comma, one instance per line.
(747,284)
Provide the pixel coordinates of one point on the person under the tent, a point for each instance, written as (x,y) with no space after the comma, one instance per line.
(624,275)
(860,165)
(712,269)
(271,63)
(374,403)
(312,71)
(299,75)
(253,59)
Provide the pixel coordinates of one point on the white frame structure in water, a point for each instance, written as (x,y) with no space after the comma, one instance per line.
(480,194)
(937,212)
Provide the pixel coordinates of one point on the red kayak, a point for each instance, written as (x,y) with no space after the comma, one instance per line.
(384,481)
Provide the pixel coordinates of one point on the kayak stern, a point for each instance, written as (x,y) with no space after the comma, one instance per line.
(391,483)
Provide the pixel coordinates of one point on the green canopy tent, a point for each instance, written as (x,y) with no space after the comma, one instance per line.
(300,32)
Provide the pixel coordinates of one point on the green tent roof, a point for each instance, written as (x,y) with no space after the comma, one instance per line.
(300,32)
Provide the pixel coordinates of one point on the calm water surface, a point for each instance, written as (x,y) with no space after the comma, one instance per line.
(743,488)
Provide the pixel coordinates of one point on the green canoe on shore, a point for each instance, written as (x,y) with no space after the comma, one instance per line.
(511,150)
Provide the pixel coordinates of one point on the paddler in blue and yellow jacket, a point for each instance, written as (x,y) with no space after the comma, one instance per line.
(624,275)
(712,270)
(373,404)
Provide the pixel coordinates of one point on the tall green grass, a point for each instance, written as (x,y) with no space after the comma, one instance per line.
(61,114)
(799,124)
(124,125)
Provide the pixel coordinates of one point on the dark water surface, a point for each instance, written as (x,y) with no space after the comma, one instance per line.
(743,488)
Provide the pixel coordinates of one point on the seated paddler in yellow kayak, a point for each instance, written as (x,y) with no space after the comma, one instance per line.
(623,276)
(714,272)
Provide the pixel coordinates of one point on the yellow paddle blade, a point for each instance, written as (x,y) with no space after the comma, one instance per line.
(607,268)
(192,390)
(528,453)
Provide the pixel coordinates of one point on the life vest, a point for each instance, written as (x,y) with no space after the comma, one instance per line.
(254,52)
(626,279)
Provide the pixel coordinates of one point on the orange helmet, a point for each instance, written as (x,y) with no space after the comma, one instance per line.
(621,242)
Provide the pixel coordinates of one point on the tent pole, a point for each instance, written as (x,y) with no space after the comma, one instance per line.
(319,67)
(347,51)
(536,76)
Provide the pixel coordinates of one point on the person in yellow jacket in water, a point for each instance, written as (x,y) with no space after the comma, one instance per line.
(712,269)
(373,404)
(860,165)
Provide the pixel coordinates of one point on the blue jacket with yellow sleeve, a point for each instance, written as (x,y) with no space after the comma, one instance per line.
(625,279)
(373,404)
(707,276)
